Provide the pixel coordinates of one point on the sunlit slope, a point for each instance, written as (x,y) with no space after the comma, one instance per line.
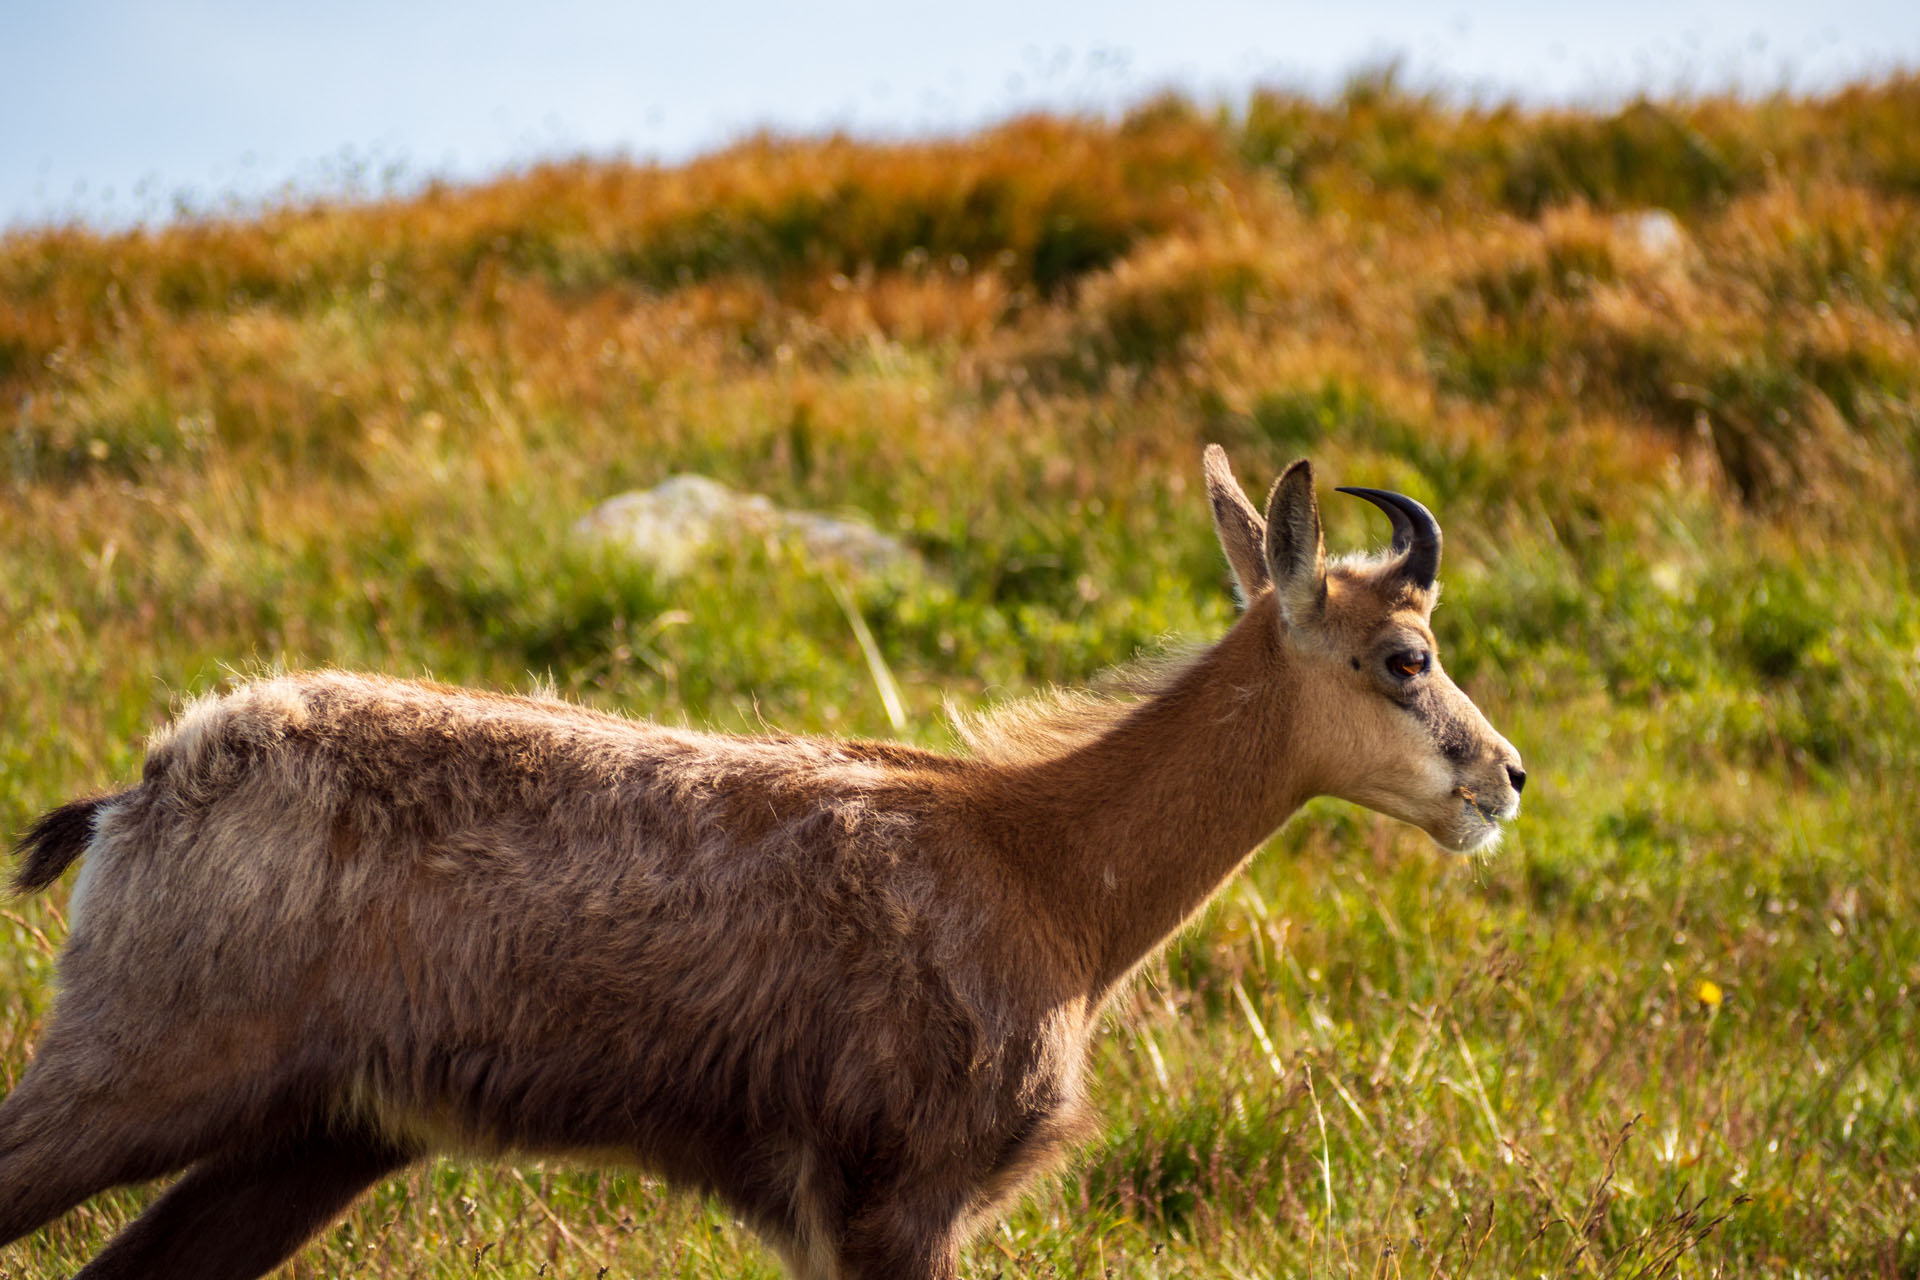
(1655,371)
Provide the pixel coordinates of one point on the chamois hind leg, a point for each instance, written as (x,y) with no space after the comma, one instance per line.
(234,1216)
(101,1108)
(60,1145)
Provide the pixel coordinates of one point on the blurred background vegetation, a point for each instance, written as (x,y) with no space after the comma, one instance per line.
(1655,369)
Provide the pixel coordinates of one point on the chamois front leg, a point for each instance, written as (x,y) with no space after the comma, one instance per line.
(890,1240)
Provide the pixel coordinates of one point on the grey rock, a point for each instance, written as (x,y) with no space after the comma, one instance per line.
(672,524)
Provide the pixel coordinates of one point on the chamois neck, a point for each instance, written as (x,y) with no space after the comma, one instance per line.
(1143,824)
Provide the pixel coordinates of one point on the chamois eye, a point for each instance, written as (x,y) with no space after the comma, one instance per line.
(1409,663)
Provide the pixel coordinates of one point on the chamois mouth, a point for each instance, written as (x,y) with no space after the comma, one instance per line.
(1493,815)
(1483,822)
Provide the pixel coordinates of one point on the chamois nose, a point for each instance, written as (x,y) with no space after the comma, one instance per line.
(1518,777)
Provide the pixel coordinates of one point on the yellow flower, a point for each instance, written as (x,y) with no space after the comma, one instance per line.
(1708,993)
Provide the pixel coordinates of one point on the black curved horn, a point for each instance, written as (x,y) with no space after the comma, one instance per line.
(1416,534)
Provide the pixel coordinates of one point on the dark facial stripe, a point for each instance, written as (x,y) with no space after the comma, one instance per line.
(1452,734)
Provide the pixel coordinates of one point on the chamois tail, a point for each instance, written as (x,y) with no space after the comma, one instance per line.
(52,843)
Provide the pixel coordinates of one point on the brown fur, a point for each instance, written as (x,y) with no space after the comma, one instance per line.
(343,921)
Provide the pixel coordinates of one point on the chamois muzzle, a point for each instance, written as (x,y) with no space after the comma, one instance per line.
(1416,534)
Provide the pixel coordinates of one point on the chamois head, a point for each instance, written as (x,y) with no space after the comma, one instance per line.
(1380,723)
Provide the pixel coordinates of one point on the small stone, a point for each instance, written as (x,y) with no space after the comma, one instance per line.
(1654,232)
(672,524)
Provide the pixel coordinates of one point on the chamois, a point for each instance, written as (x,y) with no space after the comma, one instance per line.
(847,987)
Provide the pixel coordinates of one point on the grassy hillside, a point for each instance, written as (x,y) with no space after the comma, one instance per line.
(1669,1029)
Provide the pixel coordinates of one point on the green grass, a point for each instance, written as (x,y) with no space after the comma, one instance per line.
(1668,1029)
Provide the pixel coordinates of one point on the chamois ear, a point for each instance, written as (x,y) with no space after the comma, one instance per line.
(1295,552)
(1242,531)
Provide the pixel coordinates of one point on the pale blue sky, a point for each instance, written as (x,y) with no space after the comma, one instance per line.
(112,108)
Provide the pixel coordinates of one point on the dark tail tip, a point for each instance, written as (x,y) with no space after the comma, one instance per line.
(51,844)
